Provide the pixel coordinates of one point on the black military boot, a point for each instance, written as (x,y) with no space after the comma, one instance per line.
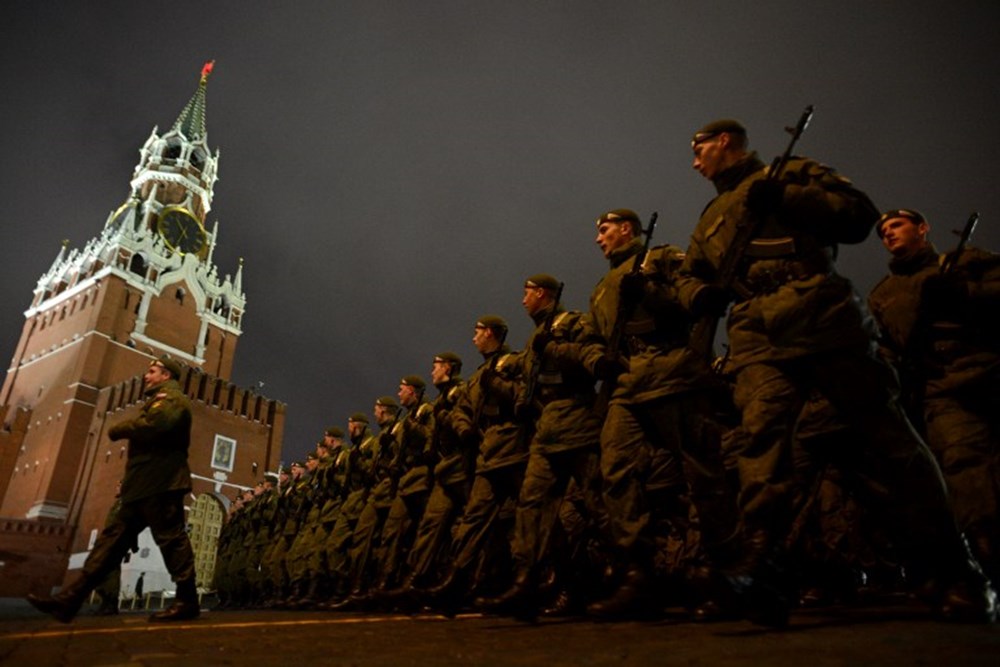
(518,601)
(564,604)
(185,606)
(311,597)
(447,596)
(63,608)
(753,588)
(633,597)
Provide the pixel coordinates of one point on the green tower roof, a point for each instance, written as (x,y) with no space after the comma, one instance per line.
(191,122)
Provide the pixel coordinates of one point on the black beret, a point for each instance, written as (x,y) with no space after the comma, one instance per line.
(494,322)
(543,280)
(908,213)
(448,358)
(414,381)
(718,127)
(619,215)
(386,401)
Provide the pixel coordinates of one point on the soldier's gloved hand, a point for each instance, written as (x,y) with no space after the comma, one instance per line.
(632,288)
(608,369)
(541,339)
(945,295)
(765,197)
(710,300)
(496,384)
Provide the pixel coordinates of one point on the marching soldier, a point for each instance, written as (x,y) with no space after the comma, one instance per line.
(797,325)
(563,431)
(939,330)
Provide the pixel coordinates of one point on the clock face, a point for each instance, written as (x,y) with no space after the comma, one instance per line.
(181,230)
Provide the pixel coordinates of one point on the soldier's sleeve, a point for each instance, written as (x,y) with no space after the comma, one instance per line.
(827,204)
(576,343)
(505,382)
(160,414)
(696,270)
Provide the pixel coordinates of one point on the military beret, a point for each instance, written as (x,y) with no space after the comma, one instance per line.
(335,432)
(542,280)
(414,381)
(908,213)
(273,476)
(171,365)
(718,127)
(386,401)
(297,464)
(311,456)
(358,417)
(448,358)
(619,215)
(494,322)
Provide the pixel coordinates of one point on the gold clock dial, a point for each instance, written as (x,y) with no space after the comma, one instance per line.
(182,231)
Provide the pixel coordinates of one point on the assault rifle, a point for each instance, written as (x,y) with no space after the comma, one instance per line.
(920,334)
(951,259)
(613,350)
(702,337)
(531,383)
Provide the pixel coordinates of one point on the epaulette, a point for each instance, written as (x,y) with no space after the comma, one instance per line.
(503,359)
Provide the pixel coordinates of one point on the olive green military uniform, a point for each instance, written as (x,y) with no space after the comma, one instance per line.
(357,480)
(152,494)
(486,412)
(451,474)
(298,529)
(364,538)
(566,434)
(951,361)
(797,326)
(411,466)
(659,440)
(110,589)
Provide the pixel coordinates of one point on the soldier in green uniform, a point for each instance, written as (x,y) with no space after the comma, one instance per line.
(355,489)
(297,560)
(484,415)
(939,329)
(327,497)
(240,559)
(382,485)
(411,470)
(293,507)
(564,431)
(453,463)
(660,443)
(798,326)
(156,479)
(273,561)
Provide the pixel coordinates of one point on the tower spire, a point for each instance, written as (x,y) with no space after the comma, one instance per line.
(191,122)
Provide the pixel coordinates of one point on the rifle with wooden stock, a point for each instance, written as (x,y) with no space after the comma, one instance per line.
(702,337)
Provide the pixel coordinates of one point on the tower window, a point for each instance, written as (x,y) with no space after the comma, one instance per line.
(138,265)
(180,294)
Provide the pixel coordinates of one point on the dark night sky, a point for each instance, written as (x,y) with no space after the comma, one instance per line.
(392,170)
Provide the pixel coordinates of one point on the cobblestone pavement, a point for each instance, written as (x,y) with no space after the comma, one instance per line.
(899,634)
